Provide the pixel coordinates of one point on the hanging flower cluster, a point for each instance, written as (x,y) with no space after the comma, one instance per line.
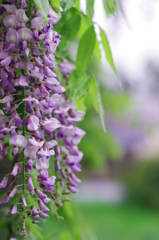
(36,119)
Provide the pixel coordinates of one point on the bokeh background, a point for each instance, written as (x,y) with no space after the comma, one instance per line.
(119,193)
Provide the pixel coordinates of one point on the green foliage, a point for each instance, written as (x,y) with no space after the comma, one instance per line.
(108,53)
(142,180)
(110,6)
(90,8)
(55,4)
(85,49)
(43,8)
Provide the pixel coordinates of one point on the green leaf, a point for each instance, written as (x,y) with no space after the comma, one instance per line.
(110,6)
(97,101)
(68,4)
(101,110)
(70,28)
(93,93)
(108,54)
(82,89)
(55,4)
(85,49)
(43,7)
(90,8)
(97,51)
(77,4)
(85,24)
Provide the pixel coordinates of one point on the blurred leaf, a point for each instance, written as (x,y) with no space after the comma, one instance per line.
(108,54)
(97,51)
(101,110)
(85,49)
(93,93)
(65,236)
(43,7)
(90,8)
(82,89)
(55,4)
(110,6)
(67,4)
(77,4)
(85,24)
(35,229)
(70,28)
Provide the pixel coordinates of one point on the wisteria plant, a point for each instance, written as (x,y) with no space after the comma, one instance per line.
(37,112)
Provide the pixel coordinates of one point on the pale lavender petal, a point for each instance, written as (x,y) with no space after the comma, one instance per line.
(13,192)
(42,206)
(40,194)
(23,201)
(30,185)
(12,36)
(36,143)
(34,211)
(5,199)
(25,34)
(4,181)
(14,209)
(46,200)
(22,16)
(37,23)
(23,81)
(18,141)
(73,189)
(15,169)
(30,152)
(43,215)
(51,124)
(10,21)
(42,164)
(33,123)
(9,8)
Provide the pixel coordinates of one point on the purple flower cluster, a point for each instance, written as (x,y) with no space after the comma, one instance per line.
(36,119)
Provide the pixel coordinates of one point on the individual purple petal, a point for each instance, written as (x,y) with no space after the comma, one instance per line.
(43,215)
(42,164)
(23,4)
(15,170)
(30,185)
(30,152)
(50,144)
(5,199)
(49,72)
(25,34)
(4,181)
(10,21)
(71,182)
(34,211)
(33,123)
(36,23)
(12,36)
(40,194)
(23,201)
(15,151)
(6,61)
(9,8)
(74,178)
(51,124)
(7,99)
(18,141)
(73,189)
(43,175)
(14,209)
(46,200)
(22,16)
(63,173)
(66,67)
(46,153)
(29,164)
(36,143)
(76,167)
(13,192)
(42,206)
(23,81)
